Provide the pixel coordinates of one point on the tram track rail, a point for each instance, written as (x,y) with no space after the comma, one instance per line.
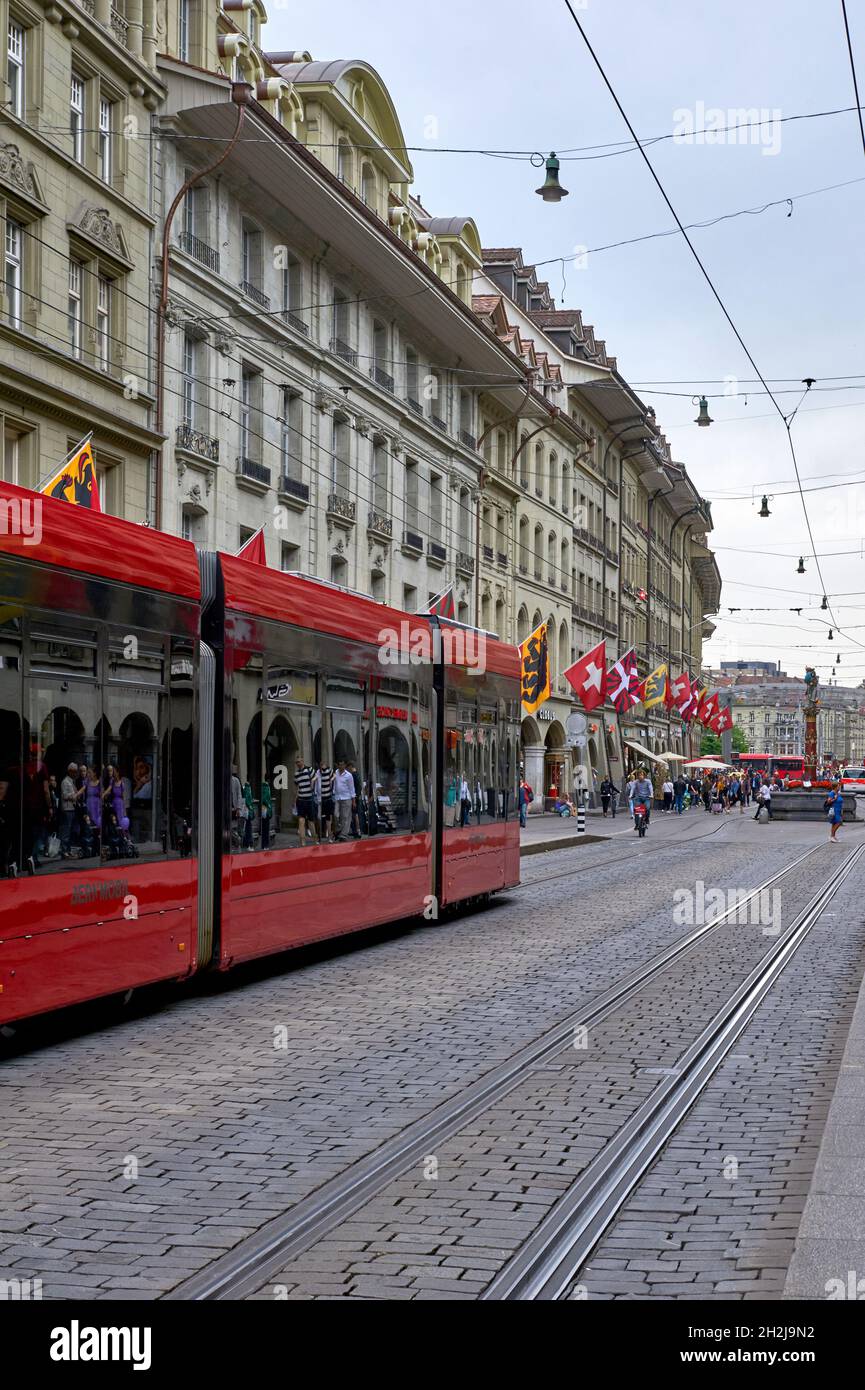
(546,1266)
(243,1270)
(653,846)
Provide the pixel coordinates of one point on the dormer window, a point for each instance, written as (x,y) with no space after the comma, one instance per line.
(344,161)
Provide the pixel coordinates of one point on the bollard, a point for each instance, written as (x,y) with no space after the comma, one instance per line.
(581,818)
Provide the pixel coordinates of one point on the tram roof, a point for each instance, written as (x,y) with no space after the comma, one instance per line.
(47,531)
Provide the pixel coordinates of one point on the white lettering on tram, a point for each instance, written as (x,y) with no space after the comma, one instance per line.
(21,516)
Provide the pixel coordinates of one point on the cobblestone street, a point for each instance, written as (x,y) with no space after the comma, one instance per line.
(135,1155)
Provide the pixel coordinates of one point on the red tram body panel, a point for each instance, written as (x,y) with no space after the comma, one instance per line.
(163,714)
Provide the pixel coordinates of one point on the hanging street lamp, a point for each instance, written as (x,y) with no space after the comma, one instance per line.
(764,508)
(551,190)
(801,569)
(704,419)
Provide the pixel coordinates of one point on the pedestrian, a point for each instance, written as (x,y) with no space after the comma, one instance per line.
(526,797)
(834,805)
(355,814)
(629,792)
(667,792)
(325,787)
(607,790)
(345,801)
(304,784)
(465,802)
(679,787)
(764,799)
(68,804)
(266,812)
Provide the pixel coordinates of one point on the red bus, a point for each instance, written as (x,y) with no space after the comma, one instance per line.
(162,713)
(788,766)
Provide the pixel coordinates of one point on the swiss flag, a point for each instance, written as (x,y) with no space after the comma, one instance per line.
(689,710)
(681,692)
(708,708)
(723,720)
(253,549)
(588,676)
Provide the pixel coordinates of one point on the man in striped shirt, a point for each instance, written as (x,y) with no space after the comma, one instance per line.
(325,789)
(303,779)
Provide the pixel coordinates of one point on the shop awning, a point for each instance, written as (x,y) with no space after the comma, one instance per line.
(675,757)
(644,752)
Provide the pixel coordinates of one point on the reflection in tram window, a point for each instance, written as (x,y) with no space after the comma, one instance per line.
(95,751)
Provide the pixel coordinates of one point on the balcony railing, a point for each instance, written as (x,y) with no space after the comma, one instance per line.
(437,551)
(465,562)
(502,559)
(293,321)
(120,28)
(380,524)
(412,541)
(340,348)
(439,423)
(414,405)
(292,488)
(199,251)
(341,507)
(382,378)
(196,442)
(467,438)
(487,552)
(250,468)
(253,292)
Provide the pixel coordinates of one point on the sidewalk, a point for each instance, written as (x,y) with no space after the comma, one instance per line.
(546,831)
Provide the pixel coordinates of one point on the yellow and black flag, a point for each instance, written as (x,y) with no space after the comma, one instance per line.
(75,481)
(535,670)
(653,691)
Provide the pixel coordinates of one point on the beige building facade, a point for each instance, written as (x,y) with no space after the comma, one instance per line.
(79,216)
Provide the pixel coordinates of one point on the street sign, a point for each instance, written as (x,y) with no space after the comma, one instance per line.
(577,723)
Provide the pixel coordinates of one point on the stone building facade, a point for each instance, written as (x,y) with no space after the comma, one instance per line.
(79,216)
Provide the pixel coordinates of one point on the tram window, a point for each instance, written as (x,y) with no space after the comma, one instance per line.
(11,753)
(451,769)
(136,751)
(179,781)
(133,661)
(345,741)
(285,729)
(56,652)
(62,789)
(421,786)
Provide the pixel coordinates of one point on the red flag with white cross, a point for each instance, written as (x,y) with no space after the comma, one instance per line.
(588,677)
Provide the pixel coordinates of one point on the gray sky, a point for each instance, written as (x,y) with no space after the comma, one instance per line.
(520,78)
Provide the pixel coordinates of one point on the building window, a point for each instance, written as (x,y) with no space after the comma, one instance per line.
(292,285)
(74,309)
(184,35)
(76,117)
(250,408)
(14,270)
(409,598)
(191,348)
(341,461)
(289,558)
(339,570)
(104,296)
(105,130)
(251,257)
(411,496)
(15,68)
(344,162)
(379,478)
(292,436)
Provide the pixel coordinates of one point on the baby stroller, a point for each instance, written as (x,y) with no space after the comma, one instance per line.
(117,842)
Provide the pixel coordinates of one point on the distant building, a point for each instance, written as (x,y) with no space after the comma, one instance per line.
(762,668)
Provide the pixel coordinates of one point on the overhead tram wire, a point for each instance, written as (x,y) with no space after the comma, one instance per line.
(708,280)
(857,108)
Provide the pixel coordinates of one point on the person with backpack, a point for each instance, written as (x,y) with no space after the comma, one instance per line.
(679,789)
(526,797)
(608,794)
(764,798)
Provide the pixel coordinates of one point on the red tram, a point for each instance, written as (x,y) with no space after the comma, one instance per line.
(157,706)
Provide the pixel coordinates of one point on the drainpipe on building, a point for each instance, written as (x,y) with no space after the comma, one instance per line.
(241,95)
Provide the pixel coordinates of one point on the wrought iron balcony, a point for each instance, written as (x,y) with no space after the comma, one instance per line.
(502,559)
(250,468)
(253,292)
(439,423)
(467,438)
(341,508)
(293,321)
(382,378)
(380,524)
(487,552)
(465,562)
(196,442)
(292,488)
(199,250)
(340,348)
(437,551)
(414,405)
(412,541)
